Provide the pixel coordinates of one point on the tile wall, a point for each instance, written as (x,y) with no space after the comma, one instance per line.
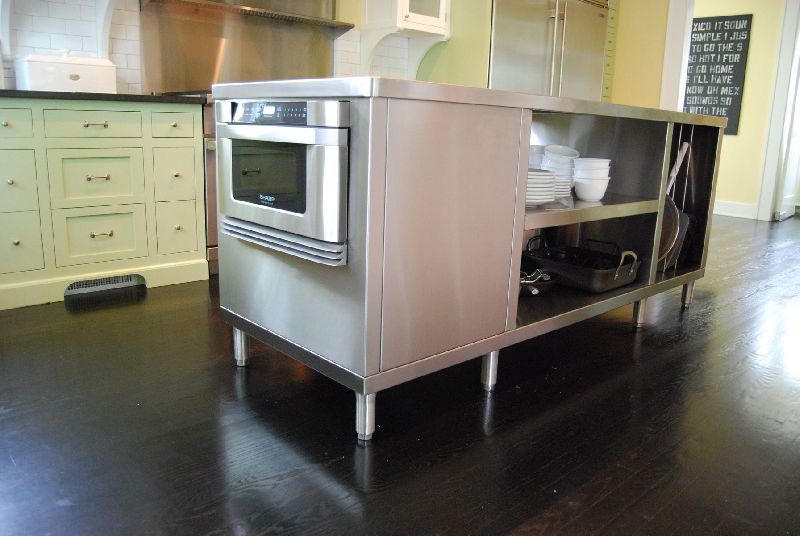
(49,26)
(390,58)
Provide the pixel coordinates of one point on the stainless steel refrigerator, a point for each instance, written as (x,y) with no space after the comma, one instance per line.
(549,47)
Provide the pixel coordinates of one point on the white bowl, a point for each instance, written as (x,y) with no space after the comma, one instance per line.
(597,174)
(561,150)
(590,190)
(592,162)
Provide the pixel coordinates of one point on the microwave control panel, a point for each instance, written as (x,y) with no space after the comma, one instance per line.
(271,113)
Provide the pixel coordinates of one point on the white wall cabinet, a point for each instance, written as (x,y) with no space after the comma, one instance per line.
(98,188)
(423,22)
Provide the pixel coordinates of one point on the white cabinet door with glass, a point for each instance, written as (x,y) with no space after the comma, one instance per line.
(424,15)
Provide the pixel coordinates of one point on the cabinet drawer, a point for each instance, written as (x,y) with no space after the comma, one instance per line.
(176,227)
(94,234)
(18,181)
(20,242)
(92,124)
(92,177)
(174,173)
(173,124)
(16,123)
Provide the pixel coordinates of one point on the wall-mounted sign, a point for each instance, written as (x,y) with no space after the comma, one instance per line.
(715,73)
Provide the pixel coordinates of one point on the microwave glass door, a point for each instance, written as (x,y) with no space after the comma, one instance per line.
(269,174)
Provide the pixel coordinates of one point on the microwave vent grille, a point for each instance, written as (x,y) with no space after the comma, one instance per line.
(327,253)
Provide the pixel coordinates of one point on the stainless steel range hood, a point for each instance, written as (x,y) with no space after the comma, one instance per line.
(189,45)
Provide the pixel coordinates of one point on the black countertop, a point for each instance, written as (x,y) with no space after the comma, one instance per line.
(124,97)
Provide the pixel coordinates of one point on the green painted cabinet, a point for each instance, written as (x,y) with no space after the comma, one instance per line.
(98,188)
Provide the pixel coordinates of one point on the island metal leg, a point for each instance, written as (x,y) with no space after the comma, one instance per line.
(688,294)
(639,312)
(489,370)
(240,346)
(365,416)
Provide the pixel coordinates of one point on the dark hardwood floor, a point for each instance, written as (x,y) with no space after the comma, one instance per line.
(130,418)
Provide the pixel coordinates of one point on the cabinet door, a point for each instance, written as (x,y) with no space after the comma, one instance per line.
(92,177)
(449,226)
(18,181)
(16,123)
(95,234)
(174,173)
(20,242)
(427,13)
(176,227)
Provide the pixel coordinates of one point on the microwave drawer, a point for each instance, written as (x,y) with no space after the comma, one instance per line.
(94,234)
(92,124)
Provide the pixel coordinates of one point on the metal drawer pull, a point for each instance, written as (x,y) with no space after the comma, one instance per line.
(10,182)
(176,174)
(178,228)
(15,242)
(87,124)
(256,171)
(106,177)
(4,123)
(173,124)
(95,235)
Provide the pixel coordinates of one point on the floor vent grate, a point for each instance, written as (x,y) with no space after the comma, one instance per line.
(103,283)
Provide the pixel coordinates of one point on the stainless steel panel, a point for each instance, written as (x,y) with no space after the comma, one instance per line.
(335,137)
(287,295)
(582,50)
(187,47)
(449,226)
(522,45)
(325,217)
(408,89)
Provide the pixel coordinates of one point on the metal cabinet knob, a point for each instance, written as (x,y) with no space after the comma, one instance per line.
(173,124)
(178,228)
(87,124)
(11,182)
(106,177)
(95,235)
(176,174)
(15,242)
(4,123)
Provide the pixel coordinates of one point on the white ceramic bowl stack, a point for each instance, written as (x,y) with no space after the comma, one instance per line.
(559,159)
(541,187)
(591,178)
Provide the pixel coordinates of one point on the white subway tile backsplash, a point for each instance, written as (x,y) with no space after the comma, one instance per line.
(21,22)
(31,39)
(47,26)
(61,42)
(82,28)
(124,46)
(64,11)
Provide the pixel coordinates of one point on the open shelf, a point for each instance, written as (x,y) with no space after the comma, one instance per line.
(566,211)
(567,305)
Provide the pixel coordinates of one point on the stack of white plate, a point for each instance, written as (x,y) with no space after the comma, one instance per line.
(535,156)
(591,178)
(541,187)
(559,159)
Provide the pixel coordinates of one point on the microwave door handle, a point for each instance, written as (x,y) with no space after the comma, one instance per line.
(336,137)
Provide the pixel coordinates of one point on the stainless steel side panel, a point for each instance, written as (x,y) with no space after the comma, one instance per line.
(582,54)
(320,308)
(522,45)
(449,226)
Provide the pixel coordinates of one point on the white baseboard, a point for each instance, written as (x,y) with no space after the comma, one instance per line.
(737,210)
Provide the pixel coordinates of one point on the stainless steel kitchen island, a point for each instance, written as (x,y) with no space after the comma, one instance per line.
(373,229)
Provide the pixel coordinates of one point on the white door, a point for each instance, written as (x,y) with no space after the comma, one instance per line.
(789,166)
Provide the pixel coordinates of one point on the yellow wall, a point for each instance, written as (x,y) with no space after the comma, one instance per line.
(742,159)
(639,60)
(464,59)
